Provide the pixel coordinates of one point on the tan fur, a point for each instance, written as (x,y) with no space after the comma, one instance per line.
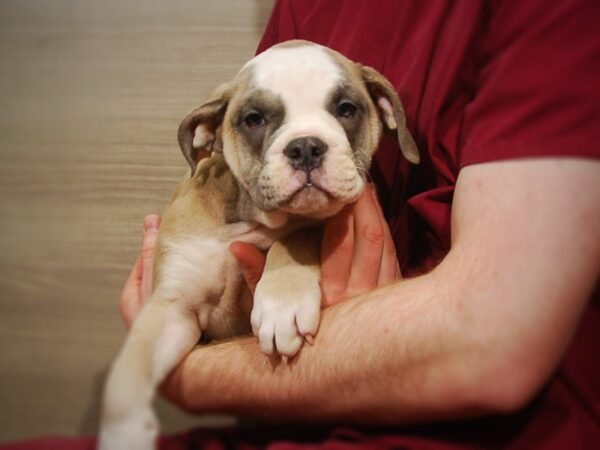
(197,283)
(198,203)
(373,84)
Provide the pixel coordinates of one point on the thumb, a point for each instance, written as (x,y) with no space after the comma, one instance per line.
(252,262)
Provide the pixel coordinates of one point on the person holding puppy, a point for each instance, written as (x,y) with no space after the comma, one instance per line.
(463,289)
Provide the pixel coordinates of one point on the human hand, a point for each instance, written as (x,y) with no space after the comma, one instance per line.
(138,286)
(357,254)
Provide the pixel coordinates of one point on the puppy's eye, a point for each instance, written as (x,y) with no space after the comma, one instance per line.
(347,109)
(254,120)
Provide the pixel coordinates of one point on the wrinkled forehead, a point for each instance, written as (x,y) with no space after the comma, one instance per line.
(303,76)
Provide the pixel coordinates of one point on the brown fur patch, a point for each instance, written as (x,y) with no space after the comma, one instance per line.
(198,203)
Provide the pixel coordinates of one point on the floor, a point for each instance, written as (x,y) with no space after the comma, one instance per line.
(92,94)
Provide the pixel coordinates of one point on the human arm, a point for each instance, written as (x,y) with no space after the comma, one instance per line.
(481,333)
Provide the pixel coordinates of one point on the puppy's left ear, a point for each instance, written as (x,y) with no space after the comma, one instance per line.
(391,111)
(199,133)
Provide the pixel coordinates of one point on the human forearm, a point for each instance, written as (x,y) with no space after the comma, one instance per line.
(480,333)
(391,356)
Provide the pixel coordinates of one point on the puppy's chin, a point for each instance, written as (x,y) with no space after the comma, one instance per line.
(317,197)
(312,202)
(308,199)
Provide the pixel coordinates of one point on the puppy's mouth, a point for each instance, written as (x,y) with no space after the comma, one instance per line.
(309,193)
(311,184)
(312,189)
(311,196)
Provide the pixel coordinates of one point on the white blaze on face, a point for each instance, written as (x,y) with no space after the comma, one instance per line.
(304,77)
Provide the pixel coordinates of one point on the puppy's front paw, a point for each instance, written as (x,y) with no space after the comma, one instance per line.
(137,431)
(282,317)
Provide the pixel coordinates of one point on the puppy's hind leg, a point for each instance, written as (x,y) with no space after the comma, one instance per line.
(162,334)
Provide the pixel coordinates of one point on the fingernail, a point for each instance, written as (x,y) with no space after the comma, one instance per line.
(151,223)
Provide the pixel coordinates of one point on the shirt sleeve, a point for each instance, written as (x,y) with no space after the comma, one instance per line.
(537,91)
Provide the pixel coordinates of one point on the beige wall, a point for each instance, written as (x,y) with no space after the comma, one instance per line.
(91,95)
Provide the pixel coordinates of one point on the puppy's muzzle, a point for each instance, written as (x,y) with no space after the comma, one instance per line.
(306,153)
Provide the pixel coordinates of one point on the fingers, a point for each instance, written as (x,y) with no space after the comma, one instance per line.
(368,244)
(252,262)
(358,252)
(151,224)
(390,269)
(138,286)
(336,256)
(130,301)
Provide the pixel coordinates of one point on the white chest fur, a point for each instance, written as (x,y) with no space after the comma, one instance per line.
(199,272)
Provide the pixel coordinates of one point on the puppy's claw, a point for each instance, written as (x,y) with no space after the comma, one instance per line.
(284,359)
(309,338)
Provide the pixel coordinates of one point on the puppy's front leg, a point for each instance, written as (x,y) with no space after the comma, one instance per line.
(162,334)
(287,300)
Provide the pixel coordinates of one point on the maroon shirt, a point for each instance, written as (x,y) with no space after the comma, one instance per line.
(480,81)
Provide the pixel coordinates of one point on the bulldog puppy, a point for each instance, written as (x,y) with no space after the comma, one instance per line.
(290,140)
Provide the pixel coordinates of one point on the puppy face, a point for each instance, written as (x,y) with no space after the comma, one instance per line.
(298,127)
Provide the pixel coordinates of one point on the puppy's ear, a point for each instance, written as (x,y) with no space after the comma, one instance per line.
(390,109)
(199,133)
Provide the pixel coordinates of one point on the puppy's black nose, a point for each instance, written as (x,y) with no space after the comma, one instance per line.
(305,153)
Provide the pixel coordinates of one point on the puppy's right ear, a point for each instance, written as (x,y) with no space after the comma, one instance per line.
(199,133)
(386,99)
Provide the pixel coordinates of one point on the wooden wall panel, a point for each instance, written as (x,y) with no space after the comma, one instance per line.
(92,94)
